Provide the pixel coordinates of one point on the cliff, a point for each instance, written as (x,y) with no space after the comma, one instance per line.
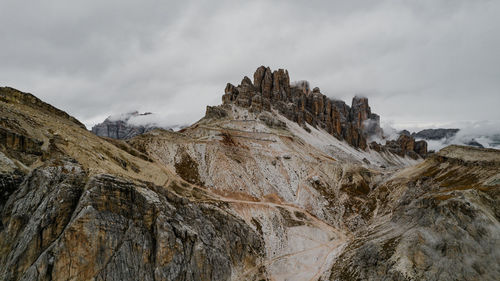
(242,194)
(273,90)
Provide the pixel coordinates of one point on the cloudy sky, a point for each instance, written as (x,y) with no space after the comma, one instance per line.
(421,63)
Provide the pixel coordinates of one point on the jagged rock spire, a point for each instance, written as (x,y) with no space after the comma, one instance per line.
(272,89)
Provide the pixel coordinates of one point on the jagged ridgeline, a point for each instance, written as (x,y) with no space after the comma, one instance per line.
(272,89)
(355,124)
(278,183)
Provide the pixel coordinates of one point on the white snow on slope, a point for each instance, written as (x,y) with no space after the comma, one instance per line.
(341,150)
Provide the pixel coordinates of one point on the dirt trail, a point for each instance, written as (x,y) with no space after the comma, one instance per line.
(309,248)
(314,270)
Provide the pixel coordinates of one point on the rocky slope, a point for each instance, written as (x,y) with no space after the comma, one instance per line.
(76,207)
(435,221)
(246,193)
(272,90)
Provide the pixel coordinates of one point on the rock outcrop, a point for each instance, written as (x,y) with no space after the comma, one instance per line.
(272,90)
(61,224)
(443,223)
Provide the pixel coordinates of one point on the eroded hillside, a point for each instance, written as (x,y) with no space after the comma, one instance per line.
(243,194)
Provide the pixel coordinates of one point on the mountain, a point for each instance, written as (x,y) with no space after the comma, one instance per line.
(435,134)
(76,206)
(271,90)
(475,136)
(119,127)
(248,192)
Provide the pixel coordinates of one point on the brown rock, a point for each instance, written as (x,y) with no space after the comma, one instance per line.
(256,102)
(215,112)
(421,148)
(246,91)
(406,143)
(258,76)
(263,81)
(298,103)
(231,92)
(281,85)
(303,86)
(360,110)
(376,146)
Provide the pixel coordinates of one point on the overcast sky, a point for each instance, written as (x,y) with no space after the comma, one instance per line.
(419,62)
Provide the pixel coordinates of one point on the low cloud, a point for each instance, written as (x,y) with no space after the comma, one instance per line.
(171,121)
(485,133)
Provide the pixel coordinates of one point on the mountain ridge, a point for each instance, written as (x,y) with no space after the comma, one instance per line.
(242,194)
(355,124)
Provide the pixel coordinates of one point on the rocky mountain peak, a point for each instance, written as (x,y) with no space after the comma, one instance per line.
(273,90)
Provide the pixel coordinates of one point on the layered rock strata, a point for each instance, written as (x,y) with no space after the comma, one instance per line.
(296,101)
(236,198)
(74,206)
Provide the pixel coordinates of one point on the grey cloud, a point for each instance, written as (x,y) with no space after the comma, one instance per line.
(419,62)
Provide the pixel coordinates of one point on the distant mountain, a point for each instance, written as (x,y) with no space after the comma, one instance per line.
(119,127)
(435,134)
(441,137)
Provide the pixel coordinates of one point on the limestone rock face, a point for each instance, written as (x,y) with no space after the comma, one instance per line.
(74,206)
(215,112)
(296,102)
(421,147)
(272,90)
(360,110)
(241,194)
(61,224)
(405,145)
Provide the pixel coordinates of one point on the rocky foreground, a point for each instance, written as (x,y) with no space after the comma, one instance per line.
(247,193)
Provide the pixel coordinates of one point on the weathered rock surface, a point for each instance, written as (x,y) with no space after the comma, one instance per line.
(61,224)
(438,221)
(100,215)
(243,194)
(272,90)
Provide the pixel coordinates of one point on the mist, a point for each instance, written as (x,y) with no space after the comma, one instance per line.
(486,133)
